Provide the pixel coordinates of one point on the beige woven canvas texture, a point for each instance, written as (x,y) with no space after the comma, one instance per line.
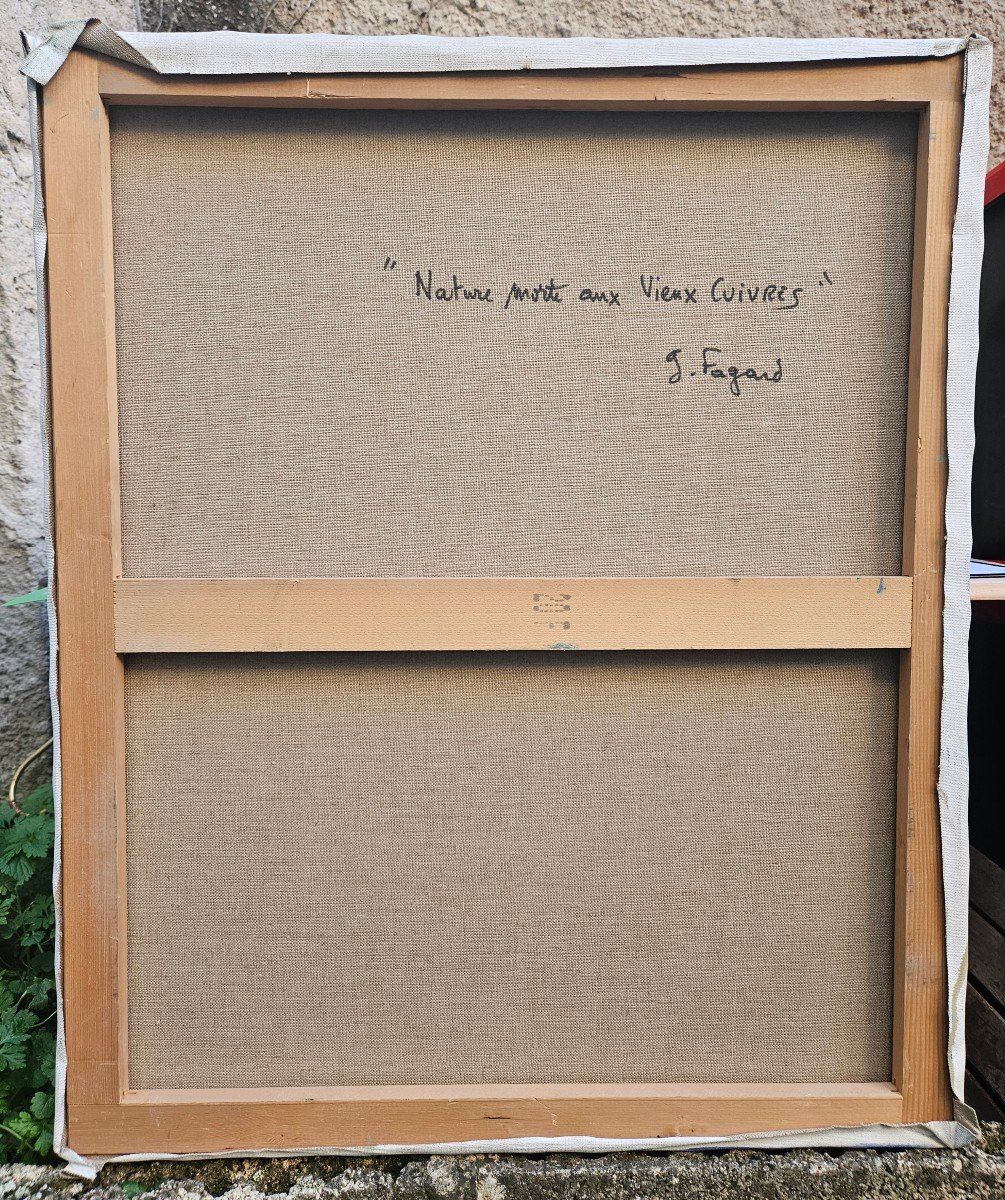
(291,406)
(467,868)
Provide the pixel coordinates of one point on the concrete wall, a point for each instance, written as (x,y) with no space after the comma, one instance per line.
(23,699)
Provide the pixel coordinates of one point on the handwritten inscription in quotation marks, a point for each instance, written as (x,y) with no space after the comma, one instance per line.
(706,364)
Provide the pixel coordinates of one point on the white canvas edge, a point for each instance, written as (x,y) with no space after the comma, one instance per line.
(230,53)
(413,53)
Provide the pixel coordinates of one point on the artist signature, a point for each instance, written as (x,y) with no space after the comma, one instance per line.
(712,365)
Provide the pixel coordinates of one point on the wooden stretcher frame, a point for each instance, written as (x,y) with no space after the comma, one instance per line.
(102,616)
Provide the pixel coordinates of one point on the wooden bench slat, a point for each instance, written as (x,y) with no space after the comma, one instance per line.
(987,888)
(981,1100)
(987,957)
(986,1042)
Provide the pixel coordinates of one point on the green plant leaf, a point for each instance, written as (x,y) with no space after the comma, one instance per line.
(27,983)
(39,596)
(13,1047)
(43,1140)
(28,838)
(43,1106)
(39,800)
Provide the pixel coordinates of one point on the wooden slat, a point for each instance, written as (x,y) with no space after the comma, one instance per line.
(171,615)
(90,676)
(986,1042)
(162,1122)
(988,589)
(920,983)
(821,86)
(985,1025)
(981,1100)
(987,887)
(987,957)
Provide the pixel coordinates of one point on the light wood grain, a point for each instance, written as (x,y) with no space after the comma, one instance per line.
(988,589)
(920,983)
(903,83)
(209,1121)
(90,676)
(189,615)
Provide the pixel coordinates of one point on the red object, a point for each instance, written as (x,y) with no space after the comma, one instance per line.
(994,185)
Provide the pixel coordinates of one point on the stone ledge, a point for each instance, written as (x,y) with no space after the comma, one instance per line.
(977,1173)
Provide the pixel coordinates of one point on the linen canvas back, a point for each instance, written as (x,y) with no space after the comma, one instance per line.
(469,344)
(510,868)
(296,400)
